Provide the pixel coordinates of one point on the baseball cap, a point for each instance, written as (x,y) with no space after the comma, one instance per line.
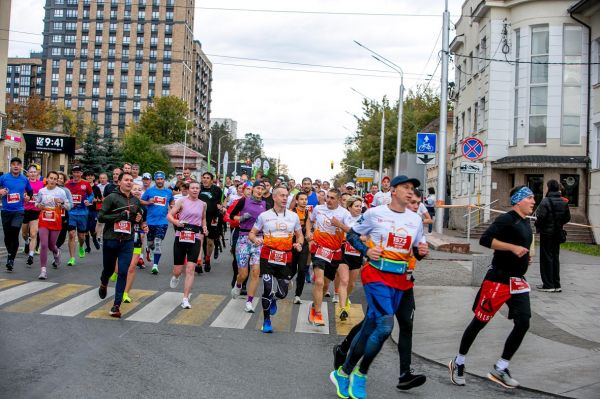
(159,175)
(16,159)
(350,184)
(258,182)
(385,178)
(237,178)
(147,176)
(404,179)
(76,168)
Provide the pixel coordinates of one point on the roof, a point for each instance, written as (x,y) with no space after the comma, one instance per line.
(583,5)
(176,150)
(24,61)
(434,125)
(527,161)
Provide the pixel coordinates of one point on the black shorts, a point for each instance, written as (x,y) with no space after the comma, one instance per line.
(213,232)
(353,262)
(330,269)
(30,216)
(183,250)
(277,271)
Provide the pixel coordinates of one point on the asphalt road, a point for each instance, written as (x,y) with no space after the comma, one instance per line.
(85,356)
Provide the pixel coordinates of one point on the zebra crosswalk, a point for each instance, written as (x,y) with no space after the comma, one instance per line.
(150,306)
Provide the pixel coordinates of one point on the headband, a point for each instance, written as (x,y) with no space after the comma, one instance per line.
(159,175)
(520,195)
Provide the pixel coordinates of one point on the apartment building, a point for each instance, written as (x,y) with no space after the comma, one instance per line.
(23,79)
(112,57)
(520,87)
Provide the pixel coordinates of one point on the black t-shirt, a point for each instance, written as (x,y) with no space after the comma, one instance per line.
(513,229)
(212,196)
(269,201)
(97,195)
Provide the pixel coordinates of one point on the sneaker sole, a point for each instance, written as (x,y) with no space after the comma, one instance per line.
(491,377)
(451,369)
(417,382)
(334,382)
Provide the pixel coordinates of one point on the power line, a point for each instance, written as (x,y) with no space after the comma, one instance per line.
(433,50)
(367,14)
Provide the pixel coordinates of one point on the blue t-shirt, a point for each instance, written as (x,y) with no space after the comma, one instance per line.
(312,199)
(157,212)
(14,201)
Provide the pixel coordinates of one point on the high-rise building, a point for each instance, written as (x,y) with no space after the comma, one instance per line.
(230,123)
(23,79)
(112,57)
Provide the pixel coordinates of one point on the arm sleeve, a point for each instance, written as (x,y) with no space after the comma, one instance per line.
(28,189)
(493,231)
(354,239)
(104,216)
(238,208)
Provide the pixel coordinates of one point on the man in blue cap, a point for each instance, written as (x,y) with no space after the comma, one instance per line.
(157,200)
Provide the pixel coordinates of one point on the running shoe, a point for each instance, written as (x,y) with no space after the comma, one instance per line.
(155,269)
(339,357)
(457,373)
(327,294)
(558,289)
(358,385)
(102,290)
(343,315)
(541,288)
(267,327)
(503,378)
(336,298)
(37,251)
(71,262)
(29,261)
(87,250)
(43,275)
(207,265)
(174,282)
(81,252)
(409,380)
(96,243)
(115,311)
(348,303)
(297,300)
(319,319)
(140,263)
(235,292)
(126,298)
(9,265)
(311,314)
(273,307)
(56,259)
(198,268)
(248,307)
(114,277)
(185,303)
(148,255)
(341,382)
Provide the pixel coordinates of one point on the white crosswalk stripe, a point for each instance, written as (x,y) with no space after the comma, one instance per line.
(79,304)
(302,324)
(158,309)
(20,291)
(234,316)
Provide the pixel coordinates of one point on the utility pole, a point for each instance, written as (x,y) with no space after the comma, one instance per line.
(441,184)
(382,135)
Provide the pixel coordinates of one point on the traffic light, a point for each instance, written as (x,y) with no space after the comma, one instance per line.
(332,164)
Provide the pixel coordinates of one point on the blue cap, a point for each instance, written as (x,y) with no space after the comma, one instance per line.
(404,179)
(258,182)
(159,175)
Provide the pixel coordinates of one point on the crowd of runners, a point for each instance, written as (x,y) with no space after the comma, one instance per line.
(279,232)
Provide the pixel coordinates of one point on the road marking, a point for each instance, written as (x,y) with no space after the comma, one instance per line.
(79,304)
(234,316)
(282,321)
(45,299)
(356,316)
(159,308)
(9,283)
(138,297)
(203,306)
(302,324)
(20,291)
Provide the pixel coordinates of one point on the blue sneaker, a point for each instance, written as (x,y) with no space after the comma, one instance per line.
(358,385)
(267,328)
(273,307)
(341,383)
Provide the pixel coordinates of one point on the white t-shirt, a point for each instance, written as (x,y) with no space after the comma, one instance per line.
(46,197)
(382,198)
(327,235)
(278,229)
(422,209)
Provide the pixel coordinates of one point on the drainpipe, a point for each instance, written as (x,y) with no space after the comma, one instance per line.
(589,90)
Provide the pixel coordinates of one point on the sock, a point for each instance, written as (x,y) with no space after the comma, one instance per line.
(238,285)
(31,253)
(502,364)
(460,359)
(250,298)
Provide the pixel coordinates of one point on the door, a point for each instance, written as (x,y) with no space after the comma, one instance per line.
(536,184)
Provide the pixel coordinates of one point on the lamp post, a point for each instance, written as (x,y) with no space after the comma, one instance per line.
(398,70)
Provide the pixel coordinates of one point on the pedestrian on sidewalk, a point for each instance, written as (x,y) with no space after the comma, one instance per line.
(552,214)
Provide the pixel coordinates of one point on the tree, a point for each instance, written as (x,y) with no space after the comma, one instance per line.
(36,114)
(217,131)
(113,154)
(250,147)
(141,149)
(164,121)
(94,155)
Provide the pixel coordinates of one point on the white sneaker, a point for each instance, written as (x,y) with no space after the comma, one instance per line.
(174,282)
(248,307)
(336,298)
(235,291)
(297,300)
(43,275)
(186,304)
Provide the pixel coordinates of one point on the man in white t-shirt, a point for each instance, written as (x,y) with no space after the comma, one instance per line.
(383,197)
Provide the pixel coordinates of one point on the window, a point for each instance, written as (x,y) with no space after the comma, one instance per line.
(571,118)
(127,27)
(154,41)
(68,90)
(153,54)
(136,106)
(141,14)
(123,93)
(81,91)
(517,48)
(138,79)
(166,66)
(152,79)
(68,104)
(84,39)
(140,40)
(54,90)
(98,39)
(73,13)
(109,91)
(110,78)
(96,78)
(82,77)
(56,51)
(58,26)
(100,14)
(476,117)
(59,2)
(167,55)
(168,28)
(69,64)
(152,66)
(55,77)
(99,28)
(94,104)
(70,39)
(57,39)
(571,188)
(168,41)
(112,39)
(169,15)
(124,66)
(482,53)
(597,147)
(155,15)
(113,14)
(154,28)
(58,13)
(108,104)
(166,92)
(83,65)
(80,103)
(85,26)
(139,53)
(124,78)
(126,40)
(127,14)
(112,27)
(84,52)
(69,77)
(98,52)
(138,66)
(125,53)
(538,91)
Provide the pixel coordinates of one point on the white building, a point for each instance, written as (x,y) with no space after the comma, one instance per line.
(521,88)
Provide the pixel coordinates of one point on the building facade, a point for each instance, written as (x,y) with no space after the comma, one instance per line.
(520,87)
(23,79)
(5,149)
(112,57)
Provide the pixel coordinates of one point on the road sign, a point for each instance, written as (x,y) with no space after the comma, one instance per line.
(426,143)
(475,168)
(472,148)
(365,175)
(425,159)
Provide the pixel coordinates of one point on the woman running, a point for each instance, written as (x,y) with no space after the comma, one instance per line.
(139,232)
(300,259)
(62,178)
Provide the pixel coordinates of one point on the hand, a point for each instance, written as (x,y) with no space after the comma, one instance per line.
(309,236)
(374,253)
(180,224)
(58,201)
(86,203)
(145,228)
(298,247)
(3,191)
(205,230)
(245,217)
(423,249)
(258,242)
(124,215)
(335,222)
(138,217)
(519,251)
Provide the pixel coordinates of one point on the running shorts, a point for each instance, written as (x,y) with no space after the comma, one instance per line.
(246,252)
(329,268)
(277,271)
(492,295)
(157,231)
(183,250)
(382,300)
(78,221)
(30,215)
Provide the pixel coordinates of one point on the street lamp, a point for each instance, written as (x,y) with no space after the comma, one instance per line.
(398,70)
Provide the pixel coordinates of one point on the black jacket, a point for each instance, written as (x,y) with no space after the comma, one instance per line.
(548,222)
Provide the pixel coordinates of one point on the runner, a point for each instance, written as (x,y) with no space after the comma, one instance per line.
(188,215)
(383,197)
(328,236)
(93,208)
(135,172)
(394,234)
(119,212)
(416,205)
(115,182)
(138,244)
(212,195)
(82,197)
(244,190)
(146,182)
(14,188)
(267,193)
(278,228)
(510,237)
(50,200)
(62,179)
(371,195)
(31,215)
(102,185)
(157,200)
(300,258)
(248,254)
(127,167)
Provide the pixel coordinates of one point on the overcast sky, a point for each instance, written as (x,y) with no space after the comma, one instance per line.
(302,116)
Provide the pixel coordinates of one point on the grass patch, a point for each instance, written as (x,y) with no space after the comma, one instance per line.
(588,249)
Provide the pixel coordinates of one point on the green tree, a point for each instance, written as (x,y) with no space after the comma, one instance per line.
(36,114)
(250,147)
(217,131)
(141,149)
(94,155)
(113,154)
(164,121)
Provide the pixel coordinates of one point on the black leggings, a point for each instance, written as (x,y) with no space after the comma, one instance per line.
(11,223)
(521,325)
(268,295)
(299,260)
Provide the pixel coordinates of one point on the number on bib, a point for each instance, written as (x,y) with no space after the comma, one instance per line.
(278,257)
(187,236)
(325,254)
(124,227)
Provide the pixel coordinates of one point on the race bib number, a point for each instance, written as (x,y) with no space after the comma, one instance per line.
(124,227)
(349,250)
(519,285)
(49,216)
(325,254)
(13,198)
(76,199)
(214,222)
(160,201)
(278,257)
(399,243)
(187,236)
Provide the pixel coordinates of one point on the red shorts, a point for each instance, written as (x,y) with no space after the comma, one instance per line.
(489,299)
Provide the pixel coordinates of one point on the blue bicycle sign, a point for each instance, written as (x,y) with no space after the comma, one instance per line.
(426,143)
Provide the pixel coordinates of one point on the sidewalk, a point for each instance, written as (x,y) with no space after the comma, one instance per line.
(560,353)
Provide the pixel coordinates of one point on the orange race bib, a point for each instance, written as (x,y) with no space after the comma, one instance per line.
(187,236)
(278,257)
(123,227)
(13,198)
